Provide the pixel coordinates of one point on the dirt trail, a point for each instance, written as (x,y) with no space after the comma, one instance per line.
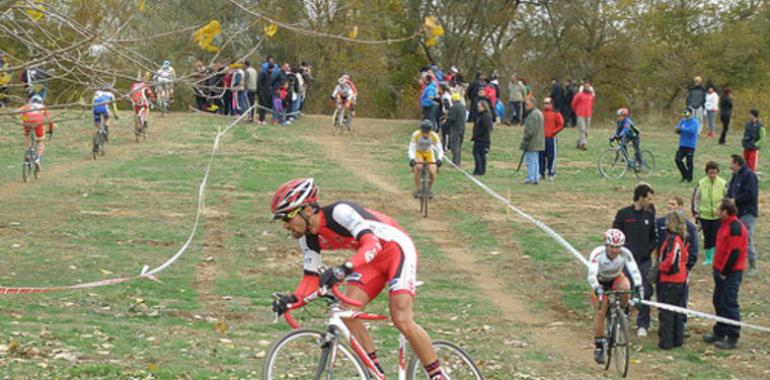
(549,332)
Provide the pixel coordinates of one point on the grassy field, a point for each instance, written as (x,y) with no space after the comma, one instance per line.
(513,298)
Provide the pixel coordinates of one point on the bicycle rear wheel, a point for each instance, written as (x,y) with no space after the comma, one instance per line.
(613,164)
(647,166)
(608,340)
(299,354)
(455,363)
(26,169)
(620,345)
(424,180)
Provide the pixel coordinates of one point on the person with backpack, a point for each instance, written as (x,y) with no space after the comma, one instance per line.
(672,278)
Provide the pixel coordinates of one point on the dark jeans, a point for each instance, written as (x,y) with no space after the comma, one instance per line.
(725,127)
(643,319)
(671,329)
(250,95)
(548,158)
(429,113)
(685,169)
(200,102)
(480,150)
(228,100)
(726,303)
(710,228)
(456,144)
(264,106)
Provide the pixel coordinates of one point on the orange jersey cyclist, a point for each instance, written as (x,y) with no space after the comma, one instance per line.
(384,255)
(34,116)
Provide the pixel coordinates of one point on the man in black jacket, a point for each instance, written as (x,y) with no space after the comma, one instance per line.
(264,91)
(638,224)
(744,190)
(557,95)
(472,94)
(696,99)
(481,137)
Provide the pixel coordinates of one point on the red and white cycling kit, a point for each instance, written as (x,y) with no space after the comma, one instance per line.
(605,272)
(141,94)
(385,254)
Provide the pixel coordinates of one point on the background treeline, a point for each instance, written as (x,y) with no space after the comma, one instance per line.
(638,53)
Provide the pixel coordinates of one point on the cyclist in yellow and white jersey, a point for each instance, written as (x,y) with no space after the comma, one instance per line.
(425,147)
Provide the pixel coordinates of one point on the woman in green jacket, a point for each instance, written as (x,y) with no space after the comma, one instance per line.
(705,200)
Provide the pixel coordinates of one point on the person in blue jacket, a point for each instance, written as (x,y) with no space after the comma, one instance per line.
(626,132)
(687,129)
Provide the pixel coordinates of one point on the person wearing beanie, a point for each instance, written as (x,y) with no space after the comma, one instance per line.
(753,137)
(705,200)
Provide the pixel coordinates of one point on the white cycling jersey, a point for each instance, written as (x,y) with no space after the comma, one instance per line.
(165,75)
(343,91)
(602,269)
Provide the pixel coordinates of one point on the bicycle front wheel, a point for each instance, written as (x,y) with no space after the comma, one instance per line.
(26,170)
(620,345)
(301,354)
(647,165)
(613,164)
(455,363)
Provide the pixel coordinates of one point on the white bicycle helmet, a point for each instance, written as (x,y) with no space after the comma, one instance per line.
(614,237)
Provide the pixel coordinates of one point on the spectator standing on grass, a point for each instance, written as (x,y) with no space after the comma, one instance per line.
(744,190)
(753,137)
(553,123)
(264,93)
(557,94)
(638,224)
(672,278)
(199,88)
(428,100)
(239,89)
(729,264)
(583,105)
(566,102)
(227,98)
(533,141)
(687,129)
(516,95)
(455,121)
(725,112)
(251,87)
(490,93)
(696,99)
(706,196)
(712,108)
(572,91)
(482,130)
(472,94)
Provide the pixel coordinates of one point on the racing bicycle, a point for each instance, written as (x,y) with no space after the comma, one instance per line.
(99,139)
(425,194)
(616,332)
(30,168)
(316,354)
(615,161)
(342,119)
(140,127)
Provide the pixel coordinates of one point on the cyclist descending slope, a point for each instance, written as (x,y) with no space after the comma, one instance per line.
(605,273)
(425,147)
(385,254)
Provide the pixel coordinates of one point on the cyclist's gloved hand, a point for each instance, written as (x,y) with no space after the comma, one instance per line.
(282,301)
(599,292)
(332,276)
(638,294)
(439,163)
(412,163)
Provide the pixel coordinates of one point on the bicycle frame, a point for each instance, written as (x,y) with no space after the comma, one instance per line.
(336,327)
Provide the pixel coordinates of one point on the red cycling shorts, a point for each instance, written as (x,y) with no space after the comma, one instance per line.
(395,266)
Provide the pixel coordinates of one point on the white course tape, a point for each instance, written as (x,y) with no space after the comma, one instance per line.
(579,256)
(145,271)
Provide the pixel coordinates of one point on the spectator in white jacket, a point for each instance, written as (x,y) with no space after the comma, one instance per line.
(712,108)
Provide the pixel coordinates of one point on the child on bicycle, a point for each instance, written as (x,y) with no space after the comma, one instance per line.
(606,265)
(626,132)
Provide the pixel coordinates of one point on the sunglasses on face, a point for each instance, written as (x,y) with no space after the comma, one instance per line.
(286,218)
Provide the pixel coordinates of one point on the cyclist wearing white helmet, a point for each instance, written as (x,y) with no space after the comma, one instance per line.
(165,77)
(344,93)
(605,273)
(103,98)
(34,116)
(626,132)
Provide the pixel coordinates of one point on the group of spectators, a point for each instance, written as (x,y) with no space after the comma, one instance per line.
(232,89)
(665,249)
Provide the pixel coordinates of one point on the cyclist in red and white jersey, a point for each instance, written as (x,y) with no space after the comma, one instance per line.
(385,255)
(141,95)
(605,273)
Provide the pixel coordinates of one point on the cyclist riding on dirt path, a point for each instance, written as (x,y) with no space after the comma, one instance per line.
(425,146)
(605,273)
(141,96)
(164,78)
(101,107)
(34,116)
(345,94)
(385,255)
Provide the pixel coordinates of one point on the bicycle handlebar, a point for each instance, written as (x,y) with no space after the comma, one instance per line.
(333,294)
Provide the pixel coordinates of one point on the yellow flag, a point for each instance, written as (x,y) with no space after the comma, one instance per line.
(353,33)
(206,34)
(140,5)
(271,30)
(431,22)
(433,30)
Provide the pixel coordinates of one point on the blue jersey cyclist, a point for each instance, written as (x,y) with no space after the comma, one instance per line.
(626,132)
(103,98)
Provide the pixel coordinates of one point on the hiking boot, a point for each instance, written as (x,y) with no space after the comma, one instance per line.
(709,338)
(599,355)
(726,344)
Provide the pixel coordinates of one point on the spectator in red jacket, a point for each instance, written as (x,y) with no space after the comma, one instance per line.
(553,123)
(583,106)
(672,277)
(729,263)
